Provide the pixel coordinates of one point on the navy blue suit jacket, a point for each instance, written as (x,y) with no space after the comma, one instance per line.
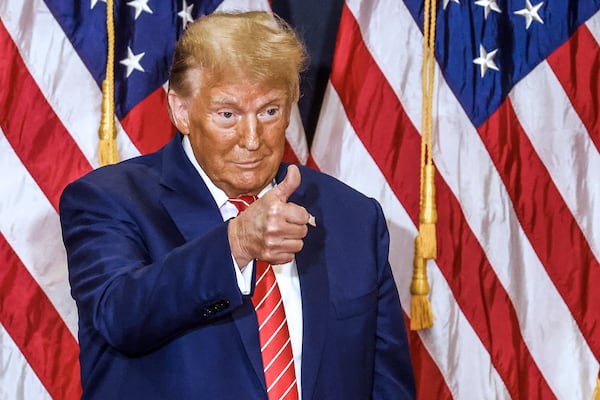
(160,312)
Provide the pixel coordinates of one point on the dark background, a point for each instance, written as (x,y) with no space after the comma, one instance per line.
(319,36)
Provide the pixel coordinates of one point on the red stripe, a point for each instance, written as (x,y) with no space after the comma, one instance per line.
(148,124)
(388,135)
(575,64)
(289,155)
(311,163)
(556,237)
(430,382)
(37,329)
(32,128)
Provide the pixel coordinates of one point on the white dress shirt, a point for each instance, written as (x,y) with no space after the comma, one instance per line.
(285,274)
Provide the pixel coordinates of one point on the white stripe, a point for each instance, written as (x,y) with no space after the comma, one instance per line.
(273,335)
(338,151)
(296,137)
(60,74)
(546,323)
(31,227)
(280,375)
(277,355)
(564,146)
(244,202)
(243,5)
(273,286)
(593,25)
(17,379)
(288,390)
(260,278)
(271,314)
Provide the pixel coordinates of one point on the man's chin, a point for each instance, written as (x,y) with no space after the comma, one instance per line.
(250,185)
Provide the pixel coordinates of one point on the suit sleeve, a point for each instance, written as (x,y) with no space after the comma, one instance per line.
(133,301)
(393,373)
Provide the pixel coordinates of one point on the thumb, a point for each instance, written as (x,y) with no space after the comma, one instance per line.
(289,184)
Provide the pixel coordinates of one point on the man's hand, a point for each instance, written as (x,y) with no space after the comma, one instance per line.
(271,229)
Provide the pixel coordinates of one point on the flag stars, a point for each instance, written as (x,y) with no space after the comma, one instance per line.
(487,6)
(132,62)
(186,13)
(448,1)
(530,13)
(94,2)
(486,60)
(140,6)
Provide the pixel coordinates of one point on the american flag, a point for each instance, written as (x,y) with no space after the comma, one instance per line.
(516,144)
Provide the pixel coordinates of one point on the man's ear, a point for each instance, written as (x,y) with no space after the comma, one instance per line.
(178,110)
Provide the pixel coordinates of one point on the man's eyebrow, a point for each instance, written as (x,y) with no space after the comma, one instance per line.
(223,100)
(230,101)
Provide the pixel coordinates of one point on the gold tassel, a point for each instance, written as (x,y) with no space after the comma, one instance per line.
(428,215)
(421,315)
(596,395)
(107,132)
(107,147)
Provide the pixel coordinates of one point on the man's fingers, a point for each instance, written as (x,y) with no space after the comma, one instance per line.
(289,184)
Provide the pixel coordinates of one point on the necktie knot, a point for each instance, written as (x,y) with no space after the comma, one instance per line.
(242,202)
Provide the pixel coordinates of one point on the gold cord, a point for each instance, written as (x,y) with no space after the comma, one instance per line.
(107,132)
(421,315)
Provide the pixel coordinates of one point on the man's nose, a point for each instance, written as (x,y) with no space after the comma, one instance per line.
(251,131)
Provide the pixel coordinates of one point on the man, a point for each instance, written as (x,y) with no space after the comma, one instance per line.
(168,253)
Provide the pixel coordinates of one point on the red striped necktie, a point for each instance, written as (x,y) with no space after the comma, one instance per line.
(275,344)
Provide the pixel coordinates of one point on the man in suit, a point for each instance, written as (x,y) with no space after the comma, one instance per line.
(163,259)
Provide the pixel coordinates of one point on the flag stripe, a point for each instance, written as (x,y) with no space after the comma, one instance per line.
(358,90)
(540,310)
(339,152)
(52,355)
(24,209)
(148,124)
(575,63)
(55,66)
(532,193)
(573,171)
(430,382)
(19,381)
(38,137)
(459,153)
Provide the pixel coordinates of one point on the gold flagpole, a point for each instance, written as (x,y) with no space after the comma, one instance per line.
(107,132)
(421,316)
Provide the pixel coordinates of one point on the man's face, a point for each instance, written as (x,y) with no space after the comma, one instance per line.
(237,132)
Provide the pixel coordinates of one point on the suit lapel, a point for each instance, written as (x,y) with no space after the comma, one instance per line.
(186,198)
(245,320)
(190,205)
(312,272)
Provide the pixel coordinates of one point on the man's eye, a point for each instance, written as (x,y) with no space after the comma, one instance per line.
(227,114)
(272,111)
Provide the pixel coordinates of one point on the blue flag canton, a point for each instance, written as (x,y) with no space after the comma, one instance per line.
(485,47)
(145,36)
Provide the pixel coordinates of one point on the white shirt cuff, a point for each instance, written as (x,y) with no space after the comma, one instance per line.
(244,276)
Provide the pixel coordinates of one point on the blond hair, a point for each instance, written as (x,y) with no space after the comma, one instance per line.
(256,46)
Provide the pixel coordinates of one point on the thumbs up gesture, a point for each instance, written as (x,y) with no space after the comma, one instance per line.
(271,229)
